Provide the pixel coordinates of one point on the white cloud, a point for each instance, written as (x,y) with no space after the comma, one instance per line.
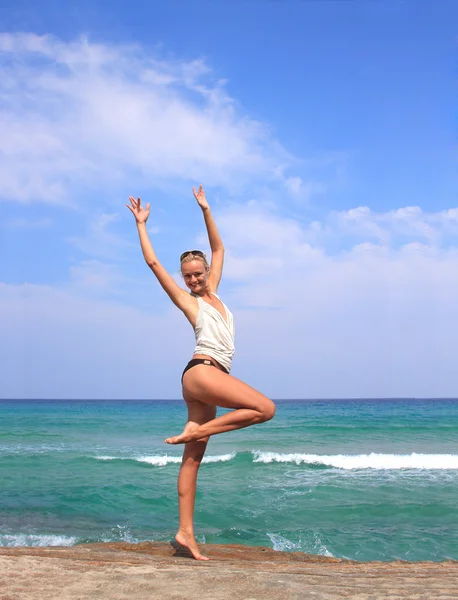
(86,114)
(93,276)
(374,319)
(100,240)
(355,303)
(303,190)
(258,236)
(371,320)
(409,222)
(294,184)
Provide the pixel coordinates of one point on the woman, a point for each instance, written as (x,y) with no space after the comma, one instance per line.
(206,381)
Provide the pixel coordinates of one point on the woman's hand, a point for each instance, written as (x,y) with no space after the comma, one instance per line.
(141,214)
(200,197)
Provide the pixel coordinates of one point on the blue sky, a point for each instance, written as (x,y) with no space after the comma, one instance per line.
(325,136)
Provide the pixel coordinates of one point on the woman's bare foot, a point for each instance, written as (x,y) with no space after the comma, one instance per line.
(188,541)
(188,435)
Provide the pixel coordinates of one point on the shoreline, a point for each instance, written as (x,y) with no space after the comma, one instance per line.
(149,570)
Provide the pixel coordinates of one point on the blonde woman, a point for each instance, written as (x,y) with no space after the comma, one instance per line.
(206,380)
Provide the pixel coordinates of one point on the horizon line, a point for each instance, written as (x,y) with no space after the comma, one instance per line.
(274,399)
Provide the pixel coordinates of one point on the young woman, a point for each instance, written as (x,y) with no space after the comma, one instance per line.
(206,381)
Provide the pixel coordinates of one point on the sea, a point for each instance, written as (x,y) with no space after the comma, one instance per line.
(358,479)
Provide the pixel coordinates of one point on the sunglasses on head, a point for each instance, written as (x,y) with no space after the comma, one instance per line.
(196,252)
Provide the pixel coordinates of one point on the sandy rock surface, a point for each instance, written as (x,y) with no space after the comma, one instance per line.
(157,570)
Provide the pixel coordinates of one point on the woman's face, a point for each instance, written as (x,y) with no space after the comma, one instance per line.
(194,275)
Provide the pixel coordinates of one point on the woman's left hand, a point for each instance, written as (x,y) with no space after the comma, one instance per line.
(200,197)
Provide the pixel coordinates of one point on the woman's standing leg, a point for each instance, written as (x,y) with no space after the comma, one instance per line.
(198,413)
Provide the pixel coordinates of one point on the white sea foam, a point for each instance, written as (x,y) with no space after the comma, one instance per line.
(163,460)
(363,461)
(314,546)
(159,461)
(219,458)
(24,539)
(120,532)
(281,543)
(110,457)
(320,547)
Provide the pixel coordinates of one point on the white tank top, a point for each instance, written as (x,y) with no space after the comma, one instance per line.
(214,334)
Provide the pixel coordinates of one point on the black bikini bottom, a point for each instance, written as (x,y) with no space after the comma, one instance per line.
(198,361)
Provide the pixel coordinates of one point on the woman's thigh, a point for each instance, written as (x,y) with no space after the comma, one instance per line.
(199,413)
(211,386)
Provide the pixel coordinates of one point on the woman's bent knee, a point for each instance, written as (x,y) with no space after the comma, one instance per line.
(268,411)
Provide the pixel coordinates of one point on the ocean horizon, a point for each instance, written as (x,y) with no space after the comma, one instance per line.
(342,399)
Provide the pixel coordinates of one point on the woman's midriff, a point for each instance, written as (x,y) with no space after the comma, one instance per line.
(214,362)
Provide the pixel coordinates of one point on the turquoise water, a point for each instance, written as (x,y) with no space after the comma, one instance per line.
(368,480)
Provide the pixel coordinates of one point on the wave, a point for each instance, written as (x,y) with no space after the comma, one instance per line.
(363,461)
(24,539)
(311,546)
(376,461)
(163,460)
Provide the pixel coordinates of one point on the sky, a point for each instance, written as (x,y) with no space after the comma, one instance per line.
(324,133)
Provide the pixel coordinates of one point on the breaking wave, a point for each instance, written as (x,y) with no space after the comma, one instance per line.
(363,461)
(163,460)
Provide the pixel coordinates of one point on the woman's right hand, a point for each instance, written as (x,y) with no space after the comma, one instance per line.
(141,214)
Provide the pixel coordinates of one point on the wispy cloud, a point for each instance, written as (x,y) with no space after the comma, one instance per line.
(303,190)
(100,240)
(350,257)
(23,223)
(92,277)
(356,301)
(85,114)
(397,226)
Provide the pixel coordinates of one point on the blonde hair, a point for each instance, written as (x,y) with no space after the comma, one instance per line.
(189,257)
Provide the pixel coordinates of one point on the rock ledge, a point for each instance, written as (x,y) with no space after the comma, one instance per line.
(150,570)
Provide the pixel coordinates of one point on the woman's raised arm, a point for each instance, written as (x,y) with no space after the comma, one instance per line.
(178,296)
(216,243)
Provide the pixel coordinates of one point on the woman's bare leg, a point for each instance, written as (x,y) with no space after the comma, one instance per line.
(216,388)
(194,451)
